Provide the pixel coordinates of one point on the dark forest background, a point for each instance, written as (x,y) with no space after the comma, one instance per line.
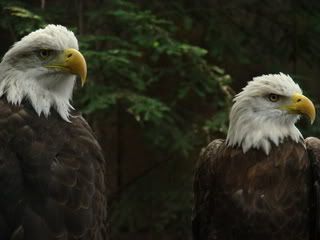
(162,74)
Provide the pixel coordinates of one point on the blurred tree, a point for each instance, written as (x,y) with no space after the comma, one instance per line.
(164,84)
(18,20)
(140,58)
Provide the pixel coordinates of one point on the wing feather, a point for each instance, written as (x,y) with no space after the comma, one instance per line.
(313,147)
(252,195)
(52,178)
(202,225)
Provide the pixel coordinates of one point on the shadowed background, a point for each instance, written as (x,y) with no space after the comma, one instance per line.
(162,75)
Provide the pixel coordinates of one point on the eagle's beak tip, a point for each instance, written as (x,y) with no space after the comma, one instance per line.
(305,106)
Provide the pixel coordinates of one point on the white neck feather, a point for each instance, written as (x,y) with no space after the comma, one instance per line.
(256,122)
(44,93)
(251,130)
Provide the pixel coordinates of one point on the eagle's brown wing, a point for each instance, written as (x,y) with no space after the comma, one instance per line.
(253,195)
(202,223)
(52,178)
(313,146)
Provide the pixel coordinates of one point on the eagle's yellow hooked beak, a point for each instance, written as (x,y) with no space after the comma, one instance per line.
(302,105)
(72,61)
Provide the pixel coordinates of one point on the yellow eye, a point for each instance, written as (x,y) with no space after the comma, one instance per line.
(44,53)
(273,97)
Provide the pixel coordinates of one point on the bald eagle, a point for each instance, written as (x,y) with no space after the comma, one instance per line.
(52,171)
(260,183)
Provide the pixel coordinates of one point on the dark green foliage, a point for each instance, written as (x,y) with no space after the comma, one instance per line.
(17,19)
(162,82)
(141,64)
(163,189)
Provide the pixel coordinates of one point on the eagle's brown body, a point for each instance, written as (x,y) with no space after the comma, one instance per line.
(253,196)
(52,177)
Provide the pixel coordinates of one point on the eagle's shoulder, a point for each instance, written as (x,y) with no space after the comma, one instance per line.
(204,167)
(211,149)
(216,153)
(313,144)
(12,119)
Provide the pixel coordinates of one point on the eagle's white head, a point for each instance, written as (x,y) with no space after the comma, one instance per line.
(265,113)
(42,69)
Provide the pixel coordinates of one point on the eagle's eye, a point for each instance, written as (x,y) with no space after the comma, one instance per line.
(273,97)
(44,53)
